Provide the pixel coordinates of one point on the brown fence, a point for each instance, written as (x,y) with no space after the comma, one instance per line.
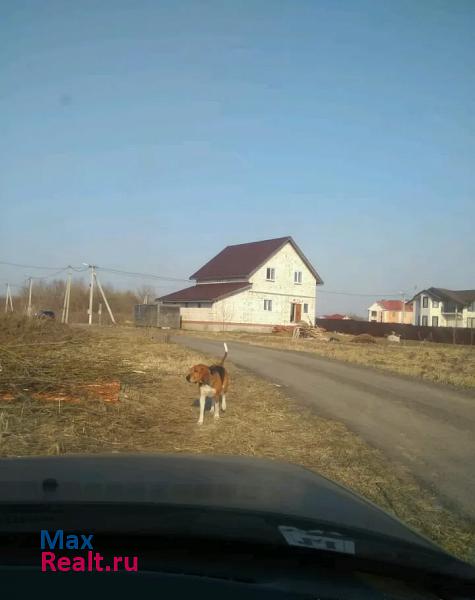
(441,335)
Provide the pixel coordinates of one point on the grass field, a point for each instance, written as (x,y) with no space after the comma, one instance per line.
(442,363)
(123,390)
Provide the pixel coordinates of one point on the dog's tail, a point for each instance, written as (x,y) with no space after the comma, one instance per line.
(225,353)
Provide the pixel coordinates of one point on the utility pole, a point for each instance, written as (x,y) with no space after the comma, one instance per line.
(65,313)
(104,298)
(91,291)
(454,335)
(28,308)
(66,316)
(403,312)
(8,299)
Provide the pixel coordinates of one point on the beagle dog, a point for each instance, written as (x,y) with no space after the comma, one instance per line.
(214,382)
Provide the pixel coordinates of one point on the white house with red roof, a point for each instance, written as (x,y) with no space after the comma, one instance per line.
(252,286)
(390,311)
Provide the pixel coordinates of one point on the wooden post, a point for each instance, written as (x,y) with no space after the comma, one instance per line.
(99,312)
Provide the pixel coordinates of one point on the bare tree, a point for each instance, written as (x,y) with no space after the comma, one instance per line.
(356,317)
(49,295)
(146,294)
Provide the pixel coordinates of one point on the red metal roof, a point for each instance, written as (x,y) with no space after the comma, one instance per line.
(395,305)
(207,292)
(241,260)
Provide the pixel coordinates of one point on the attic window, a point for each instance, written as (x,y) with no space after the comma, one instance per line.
(298,277)
(270,274)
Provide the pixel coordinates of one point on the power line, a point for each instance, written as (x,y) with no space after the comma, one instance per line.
(143,275)
(50,275)
(58,272)
(169,279)
(380,295)
(83,269)
(13,285)
(9,264)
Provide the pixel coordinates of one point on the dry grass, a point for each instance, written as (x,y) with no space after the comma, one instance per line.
(157,413)
(441,363)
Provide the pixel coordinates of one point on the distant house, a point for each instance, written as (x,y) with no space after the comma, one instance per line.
(390,311)
(439,307)
(250,286)
(337,317)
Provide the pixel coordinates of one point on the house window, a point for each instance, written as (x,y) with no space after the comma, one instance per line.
(270,274)
(425,321)
(298,277)
(374,313)
(471,307)
(267,304)
(425,302)
(471,323)
(435,321)
(305,308)
(435,304)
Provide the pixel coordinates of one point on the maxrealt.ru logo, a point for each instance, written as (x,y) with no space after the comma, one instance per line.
(89,560)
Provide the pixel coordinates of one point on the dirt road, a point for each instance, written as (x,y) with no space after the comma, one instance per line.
(427,427)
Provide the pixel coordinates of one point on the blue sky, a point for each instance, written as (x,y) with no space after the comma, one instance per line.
(147,135)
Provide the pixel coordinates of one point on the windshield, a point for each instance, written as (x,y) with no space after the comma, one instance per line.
(245,230)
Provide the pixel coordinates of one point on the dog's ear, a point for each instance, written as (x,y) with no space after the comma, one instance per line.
(204,374)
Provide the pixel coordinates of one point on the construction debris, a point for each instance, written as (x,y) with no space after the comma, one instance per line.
(393,337)
(364,338)
(283,329)
(306,330)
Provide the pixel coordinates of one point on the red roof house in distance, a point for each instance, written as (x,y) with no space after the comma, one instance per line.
(390,311)
(337,317)
(252,286)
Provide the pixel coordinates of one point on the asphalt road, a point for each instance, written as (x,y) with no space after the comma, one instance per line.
(428,428)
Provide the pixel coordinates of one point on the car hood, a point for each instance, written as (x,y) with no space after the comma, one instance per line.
(224,482)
